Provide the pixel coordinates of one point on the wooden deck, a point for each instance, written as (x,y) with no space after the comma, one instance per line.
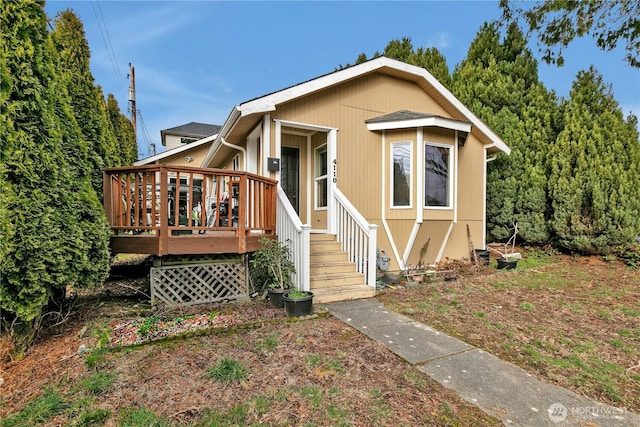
(170,210)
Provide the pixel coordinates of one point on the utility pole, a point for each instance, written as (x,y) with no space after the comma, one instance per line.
(132,99)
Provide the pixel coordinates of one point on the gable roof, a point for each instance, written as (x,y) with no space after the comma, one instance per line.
(419,75)
(193,129)
(410,119)
(177,150)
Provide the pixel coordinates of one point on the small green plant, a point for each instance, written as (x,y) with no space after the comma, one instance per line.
(95,358)
(273,263)
(227,371)
(527,306)
(148,326)
(98,382)
(92,417)
(38,411)
(141,417)
(296,294)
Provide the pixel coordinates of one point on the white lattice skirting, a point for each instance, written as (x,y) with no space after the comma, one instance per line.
(190,284)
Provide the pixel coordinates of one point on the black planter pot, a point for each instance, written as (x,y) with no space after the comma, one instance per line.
(505,264)
(298,306)
(275,297)
(483,256)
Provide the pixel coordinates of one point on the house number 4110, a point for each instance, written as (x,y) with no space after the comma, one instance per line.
(335,171)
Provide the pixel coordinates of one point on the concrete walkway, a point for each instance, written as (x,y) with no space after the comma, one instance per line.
(498,388)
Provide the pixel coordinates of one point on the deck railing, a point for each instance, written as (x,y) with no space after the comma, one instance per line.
(357,237)
(292,232)
(172,201)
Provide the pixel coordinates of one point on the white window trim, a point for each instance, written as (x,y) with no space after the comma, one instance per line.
(391,175)
(452,173)
(316,152)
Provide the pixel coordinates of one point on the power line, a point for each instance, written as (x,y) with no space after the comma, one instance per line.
(105,37)
(150,146)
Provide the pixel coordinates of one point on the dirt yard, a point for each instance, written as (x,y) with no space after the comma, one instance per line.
(116,361)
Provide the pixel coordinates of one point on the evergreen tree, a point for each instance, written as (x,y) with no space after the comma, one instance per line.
(123,130)
(498,81)
(431,59)
(53,230)
(87,102)
(595,171)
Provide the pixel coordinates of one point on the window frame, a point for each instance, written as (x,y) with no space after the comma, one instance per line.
(317,153)
(392,188)
(450,176)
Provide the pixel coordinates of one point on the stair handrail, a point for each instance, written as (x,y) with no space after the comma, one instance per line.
(292,232)
(357,237)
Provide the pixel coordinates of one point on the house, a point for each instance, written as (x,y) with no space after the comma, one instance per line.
(188,133)
(377,158)
(386,136)
(184,155)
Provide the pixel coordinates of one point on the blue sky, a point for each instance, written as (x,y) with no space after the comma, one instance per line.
(195,60)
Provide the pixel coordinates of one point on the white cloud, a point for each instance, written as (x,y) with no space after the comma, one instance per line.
(440,40)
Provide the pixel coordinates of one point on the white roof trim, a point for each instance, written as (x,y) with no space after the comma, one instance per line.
(228,125)
(268,103)
(441,122)
(174,151)
(305,126)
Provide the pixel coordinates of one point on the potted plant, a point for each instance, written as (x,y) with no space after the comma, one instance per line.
(507,263)
(298,303)
(273,266)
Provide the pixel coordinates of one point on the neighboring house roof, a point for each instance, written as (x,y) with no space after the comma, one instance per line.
(167,153)
(383,64)
(192,130)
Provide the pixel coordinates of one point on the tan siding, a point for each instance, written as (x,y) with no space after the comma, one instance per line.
(198,154)
(359,162)
(442,136)
(458,246)
(434,232)
(401,230)
(470,180)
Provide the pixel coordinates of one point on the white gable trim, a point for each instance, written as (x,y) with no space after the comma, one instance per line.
(269,102)
(175,151)
(441,122)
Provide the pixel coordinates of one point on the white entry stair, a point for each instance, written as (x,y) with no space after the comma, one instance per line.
(333,276)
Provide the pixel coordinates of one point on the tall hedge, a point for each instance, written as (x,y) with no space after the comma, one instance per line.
(594,180)
(87,103)
(498,81)
(53,230)
(125,135)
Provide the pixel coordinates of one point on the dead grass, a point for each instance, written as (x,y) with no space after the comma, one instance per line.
(570,321)
(574,322)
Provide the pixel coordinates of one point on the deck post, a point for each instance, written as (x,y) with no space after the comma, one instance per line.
(163,237)
(372,252)
(242,212)
(107,197)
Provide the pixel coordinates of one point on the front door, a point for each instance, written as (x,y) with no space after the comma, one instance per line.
(290,175)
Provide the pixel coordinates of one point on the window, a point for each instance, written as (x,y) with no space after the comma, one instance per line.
(187,140)
(235,163)
(321,177)
(401,174)
(437,175)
